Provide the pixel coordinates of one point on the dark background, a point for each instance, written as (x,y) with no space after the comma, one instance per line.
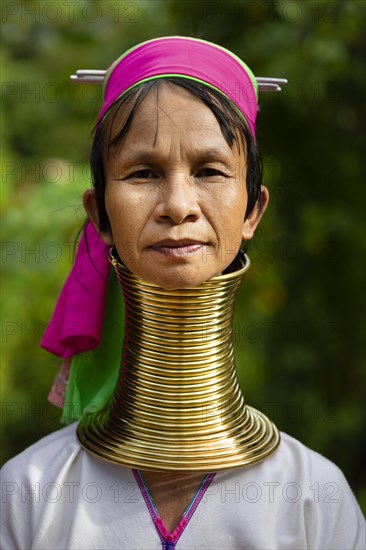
(300,324)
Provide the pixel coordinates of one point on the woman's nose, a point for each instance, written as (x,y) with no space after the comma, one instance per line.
(178,201)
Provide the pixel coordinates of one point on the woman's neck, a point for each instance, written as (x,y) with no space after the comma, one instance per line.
(178,405)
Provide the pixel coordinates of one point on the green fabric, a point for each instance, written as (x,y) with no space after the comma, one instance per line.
(93,375)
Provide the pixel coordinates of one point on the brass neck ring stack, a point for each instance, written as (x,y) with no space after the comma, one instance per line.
(177,405)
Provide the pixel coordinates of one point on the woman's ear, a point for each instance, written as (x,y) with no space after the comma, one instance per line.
(251,222)
(91,208)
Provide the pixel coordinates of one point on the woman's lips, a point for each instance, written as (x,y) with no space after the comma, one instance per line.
(178,248)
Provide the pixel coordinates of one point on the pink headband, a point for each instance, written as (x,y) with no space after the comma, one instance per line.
(185,57)
(77,322)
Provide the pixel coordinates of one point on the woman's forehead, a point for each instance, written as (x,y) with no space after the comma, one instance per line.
(167,112)
(153,106)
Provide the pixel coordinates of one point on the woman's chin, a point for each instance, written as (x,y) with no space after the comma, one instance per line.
(177,278)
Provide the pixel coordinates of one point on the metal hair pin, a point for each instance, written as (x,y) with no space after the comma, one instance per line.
(95,76)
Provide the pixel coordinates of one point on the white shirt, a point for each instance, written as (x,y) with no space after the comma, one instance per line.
(55,495)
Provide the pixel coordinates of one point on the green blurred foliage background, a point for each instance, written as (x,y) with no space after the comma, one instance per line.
(299,326)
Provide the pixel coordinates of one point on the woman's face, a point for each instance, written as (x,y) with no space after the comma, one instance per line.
(175,192)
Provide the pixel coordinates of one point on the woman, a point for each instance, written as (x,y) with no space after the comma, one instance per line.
(175,458)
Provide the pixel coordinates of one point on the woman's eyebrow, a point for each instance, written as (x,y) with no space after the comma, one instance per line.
(211,154)
(139,157)
(198,156)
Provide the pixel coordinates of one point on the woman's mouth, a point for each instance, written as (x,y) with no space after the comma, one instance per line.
(183,247)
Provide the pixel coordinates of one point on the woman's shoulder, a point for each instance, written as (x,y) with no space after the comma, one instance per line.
(295,462)
(291,462)
(296,474)
(47,453)
(303,492)
(299,458)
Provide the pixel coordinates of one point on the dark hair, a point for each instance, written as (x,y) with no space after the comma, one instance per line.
(232,124)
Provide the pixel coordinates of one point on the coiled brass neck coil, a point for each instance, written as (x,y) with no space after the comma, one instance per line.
(177,405)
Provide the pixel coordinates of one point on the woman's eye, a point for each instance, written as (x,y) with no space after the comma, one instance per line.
(143,174)
(209,173)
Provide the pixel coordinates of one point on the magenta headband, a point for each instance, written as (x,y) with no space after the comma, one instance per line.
(188,58)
